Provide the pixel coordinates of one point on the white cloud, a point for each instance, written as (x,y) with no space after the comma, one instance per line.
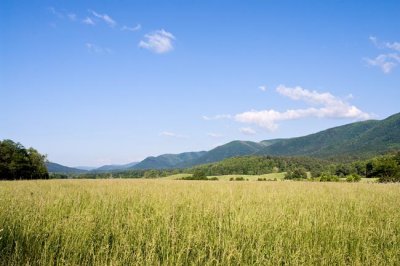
(158,42)
(106,18)
(92,48)
(374,40)
(214,135)
(326,105)
(247,131)
(88,21)
(393,46)
(262,88)
(216,117)
(172,135)
(385,61)
(55,12)
(135,28)
(72,16)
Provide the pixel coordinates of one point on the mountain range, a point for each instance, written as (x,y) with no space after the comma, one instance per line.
(357,140)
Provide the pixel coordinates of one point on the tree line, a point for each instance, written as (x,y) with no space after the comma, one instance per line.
(17,162)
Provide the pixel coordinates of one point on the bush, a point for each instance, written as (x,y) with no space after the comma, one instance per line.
(240,178)
(297,173)
(328,177)
(353,178)
(199,175)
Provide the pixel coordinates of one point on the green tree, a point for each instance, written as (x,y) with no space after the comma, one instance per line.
(297,173)
(199,174)
(16,162)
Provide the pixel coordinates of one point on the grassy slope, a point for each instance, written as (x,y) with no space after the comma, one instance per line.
(137,222)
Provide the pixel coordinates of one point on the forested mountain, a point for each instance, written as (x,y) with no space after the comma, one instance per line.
(58,168)
(114,167)
(349,142)
(167,160)
(352,141)
(229,150)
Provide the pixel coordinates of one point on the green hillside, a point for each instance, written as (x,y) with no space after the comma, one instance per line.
(58,168)
(231,149)
(167,160)
(352,141)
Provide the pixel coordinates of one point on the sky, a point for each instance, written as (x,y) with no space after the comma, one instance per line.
(112,82)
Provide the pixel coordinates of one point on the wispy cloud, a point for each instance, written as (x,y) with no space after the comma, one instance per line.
(385,61)
(93,48)
(216,117)
(55,12)
(72,16)
(325,105)
(262,88)
(247,131)
(135,28)
(62,14)
(214,135)
(172,135)
(88,21)
(106,18)
(159,41)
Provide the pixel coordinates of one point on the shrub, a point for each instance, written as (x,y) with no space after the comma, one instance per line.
(199,175)
(297,173)
(328,177)
(353,178)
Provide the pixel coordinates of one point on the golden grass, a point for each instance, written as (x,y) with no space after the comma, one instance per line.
(169,222)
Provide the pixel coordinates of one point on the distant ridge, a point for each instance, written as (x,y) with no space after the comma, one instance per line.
(355,140)
(58,168)
(352,141)
(114,167)
(168,160)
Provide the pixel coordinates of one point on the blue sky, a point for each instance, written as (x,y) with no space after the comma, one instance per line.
(100,82)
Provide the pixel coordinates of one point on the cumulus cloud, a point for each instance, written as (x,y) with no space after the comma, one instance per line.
(172,135)
(247,131)
(385,61)
(216,117)
(159,41)
(324,105)
(135,28)
(106,18)
(262,88)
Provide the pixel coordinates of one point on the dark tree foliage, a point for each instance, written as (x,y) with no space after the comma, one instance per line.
(386,168)
(297,173)
(18,163)
(199,174)
(258,165)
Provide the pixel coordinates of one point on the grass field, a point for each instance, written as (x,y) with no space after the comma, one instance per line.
(270,177)
(170,222)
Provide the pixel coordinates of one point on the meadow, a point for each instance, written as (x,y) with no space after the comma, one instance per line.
(176,222)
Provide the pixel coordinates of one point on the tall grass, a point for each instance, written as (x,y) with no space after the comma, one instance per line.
(151,222)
